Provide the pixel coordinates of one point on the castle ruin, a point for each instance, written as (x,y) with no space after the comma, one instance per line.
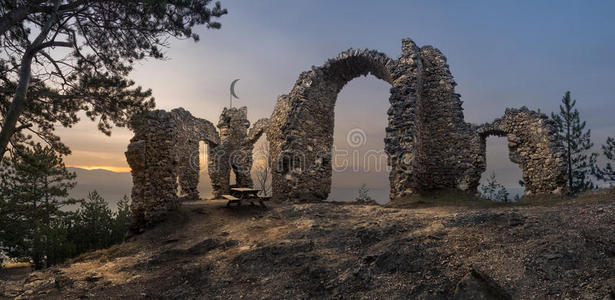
(429,145)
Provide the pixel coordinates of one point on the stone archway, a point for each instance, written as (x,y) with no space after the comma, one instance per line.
(533,145)
(301,128)
(429,145)
(190,131)
(426,134)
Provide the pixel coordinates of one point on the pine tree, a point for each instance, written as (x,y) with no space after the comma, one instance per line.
(493,190)
(577,143)
(364,194)
(608,172)
(33,191)
(95,226)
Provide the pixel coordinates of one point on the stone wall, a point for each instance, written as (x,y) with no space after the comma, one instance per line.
(151,157)
(163,152)
(234,152)
(191,131)
(533,144)
(399,143)
(429,145)
(279,185)
(442,138)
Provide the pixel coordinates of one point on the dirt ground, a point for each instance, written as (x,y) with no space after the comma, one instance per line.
(561,250)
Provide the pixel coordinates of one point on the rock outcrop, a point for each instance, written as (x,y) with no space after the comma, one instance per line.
(476,285)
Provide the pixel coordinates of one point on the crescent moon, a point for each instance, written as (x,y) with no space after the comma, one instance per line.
(233,88)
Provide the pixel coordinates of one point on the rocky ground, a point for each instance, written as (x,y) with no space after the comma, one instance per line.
(563,249)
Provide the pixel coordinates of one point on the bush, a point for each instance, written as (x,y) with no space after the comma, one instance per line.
(493,190)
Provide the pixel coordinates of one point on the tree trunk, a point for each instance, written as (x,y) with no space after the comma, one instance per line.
(569,158)
(19,102)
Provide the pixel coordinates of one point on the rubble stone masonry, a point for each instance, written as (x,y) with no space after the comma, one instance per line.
(429,145)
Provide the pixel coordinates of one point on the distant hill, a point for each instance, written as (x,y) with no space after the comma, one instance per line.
(114,185)
(111,185)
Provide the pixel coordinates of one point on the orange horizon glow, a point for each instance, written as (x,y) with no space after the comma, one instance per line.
(114,169)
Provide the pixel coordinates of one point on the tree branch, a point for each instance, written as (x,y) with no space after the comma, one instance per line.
(51,44)
(19,14)
(22,127)
(54,63)
(18,105)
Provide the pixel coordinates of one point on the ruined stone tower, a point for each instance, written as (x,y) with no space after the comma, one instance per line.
(164,158)
(234,153)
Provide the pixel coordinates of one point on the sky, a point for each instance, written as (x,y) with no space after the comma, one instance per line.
(501,53)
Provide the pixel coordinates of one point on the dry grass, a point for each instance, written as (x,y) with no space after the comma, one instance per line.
(444,198)
(459,199)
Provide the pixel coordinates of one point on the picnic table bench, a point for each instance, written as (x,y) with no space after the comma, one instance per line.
(244,194)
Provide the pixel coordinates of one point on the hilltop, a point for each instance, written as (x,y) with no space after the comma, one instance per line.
(559,249)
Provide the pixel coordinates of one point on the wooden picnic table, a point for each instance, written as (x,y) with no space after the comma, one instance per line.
(244,194)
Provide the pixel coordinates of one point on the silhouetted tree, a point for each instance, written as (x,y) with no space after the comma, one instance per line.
(64,56)
(608,172)
(577,143)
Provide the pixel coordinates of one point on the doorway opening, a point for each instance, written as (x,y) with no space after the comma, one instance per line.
(204,187)
(359,162)
(501,172)
(261,166)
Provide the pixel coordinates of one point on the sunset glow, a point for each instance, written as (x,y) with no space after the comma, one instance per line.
(106,168)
